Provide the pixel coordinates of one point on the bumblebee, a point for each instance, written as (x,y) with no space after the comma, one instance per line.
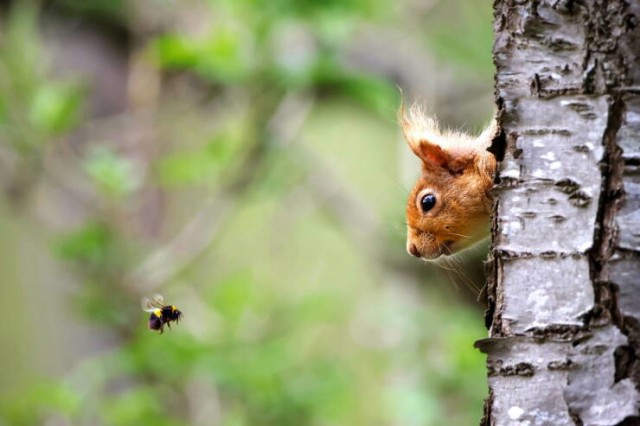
(161,313)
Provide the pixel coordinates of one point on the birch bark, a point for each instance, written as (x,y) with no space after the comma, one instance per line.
(564,281)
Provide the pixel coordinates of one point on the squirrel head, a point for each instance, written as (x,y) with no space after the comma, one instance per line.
(450,205)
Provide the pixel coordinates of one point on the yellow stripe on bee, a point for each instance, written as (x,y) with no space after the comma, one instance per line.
(158,313)
(173,308)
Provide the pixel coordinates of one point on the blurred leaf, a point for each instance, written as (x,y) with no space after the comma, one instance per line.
(183,167)
(42,401)
(180,352)
(113,175)
(310,8)
(90,243)
(222,56)
(175,51)
(232,296)
(91,304)
(370,91)
(139,406)
(373,93)
(334,27)
(326,387)
(55,108)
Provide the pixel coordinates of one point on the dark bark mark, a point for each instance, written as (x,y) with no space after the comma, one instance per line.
(499,142)
(624,358)
(630,421)
(497,368)
(560,365)
(490,292)
(577,196)
(541,132)
(627,361)
(559,333)
(575,416)
(486,415)
(611,196)
(498,148)
(604,66)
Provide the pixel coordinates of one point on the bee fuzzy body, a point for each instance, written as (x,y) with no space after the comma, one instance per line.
(161,314)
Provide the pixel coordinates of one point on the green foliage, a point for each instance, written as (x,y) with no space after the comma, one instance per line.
(55,108)
(42,400)
(198,166)
(92,243)
(32,109)
(220,57)
(113,175)
(293,316)
(136,407)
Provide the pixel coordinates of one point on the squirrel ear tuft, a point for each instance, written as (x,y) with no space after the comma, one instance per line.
(430,144)
(434,156)
(431,154)
(421,133)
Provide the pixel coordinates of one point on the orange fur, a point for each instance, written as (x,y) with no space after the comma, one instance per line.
(459,171)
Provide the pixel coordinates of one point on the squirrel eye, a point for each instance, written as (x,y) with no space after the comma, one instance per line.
(427,202)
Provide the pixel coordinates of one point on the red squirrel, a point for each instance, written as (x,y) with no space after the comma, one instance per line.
(450,205)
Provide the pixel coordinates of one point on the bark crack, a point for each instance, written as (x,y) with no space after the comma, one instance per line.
(611,196)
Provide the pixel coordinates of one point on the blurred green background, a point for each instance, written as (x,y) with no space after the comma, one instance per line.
(242,158)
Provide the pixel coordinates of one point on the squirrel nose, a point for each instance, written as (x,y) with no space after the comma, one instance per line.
(413,250)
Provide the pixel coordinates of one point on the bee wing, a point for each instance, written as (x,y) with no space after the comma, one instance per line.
(149,305)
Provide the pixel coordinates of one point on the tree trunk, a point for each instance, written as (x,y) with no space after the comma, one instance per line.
(564,281)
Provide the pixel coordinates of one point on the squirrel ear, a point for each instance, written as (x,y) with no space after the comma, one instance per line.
(432,146)
(431,154)
(421,133)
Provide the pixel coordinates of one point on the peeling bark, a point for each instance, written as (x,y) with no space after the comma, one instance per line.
(564,273)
